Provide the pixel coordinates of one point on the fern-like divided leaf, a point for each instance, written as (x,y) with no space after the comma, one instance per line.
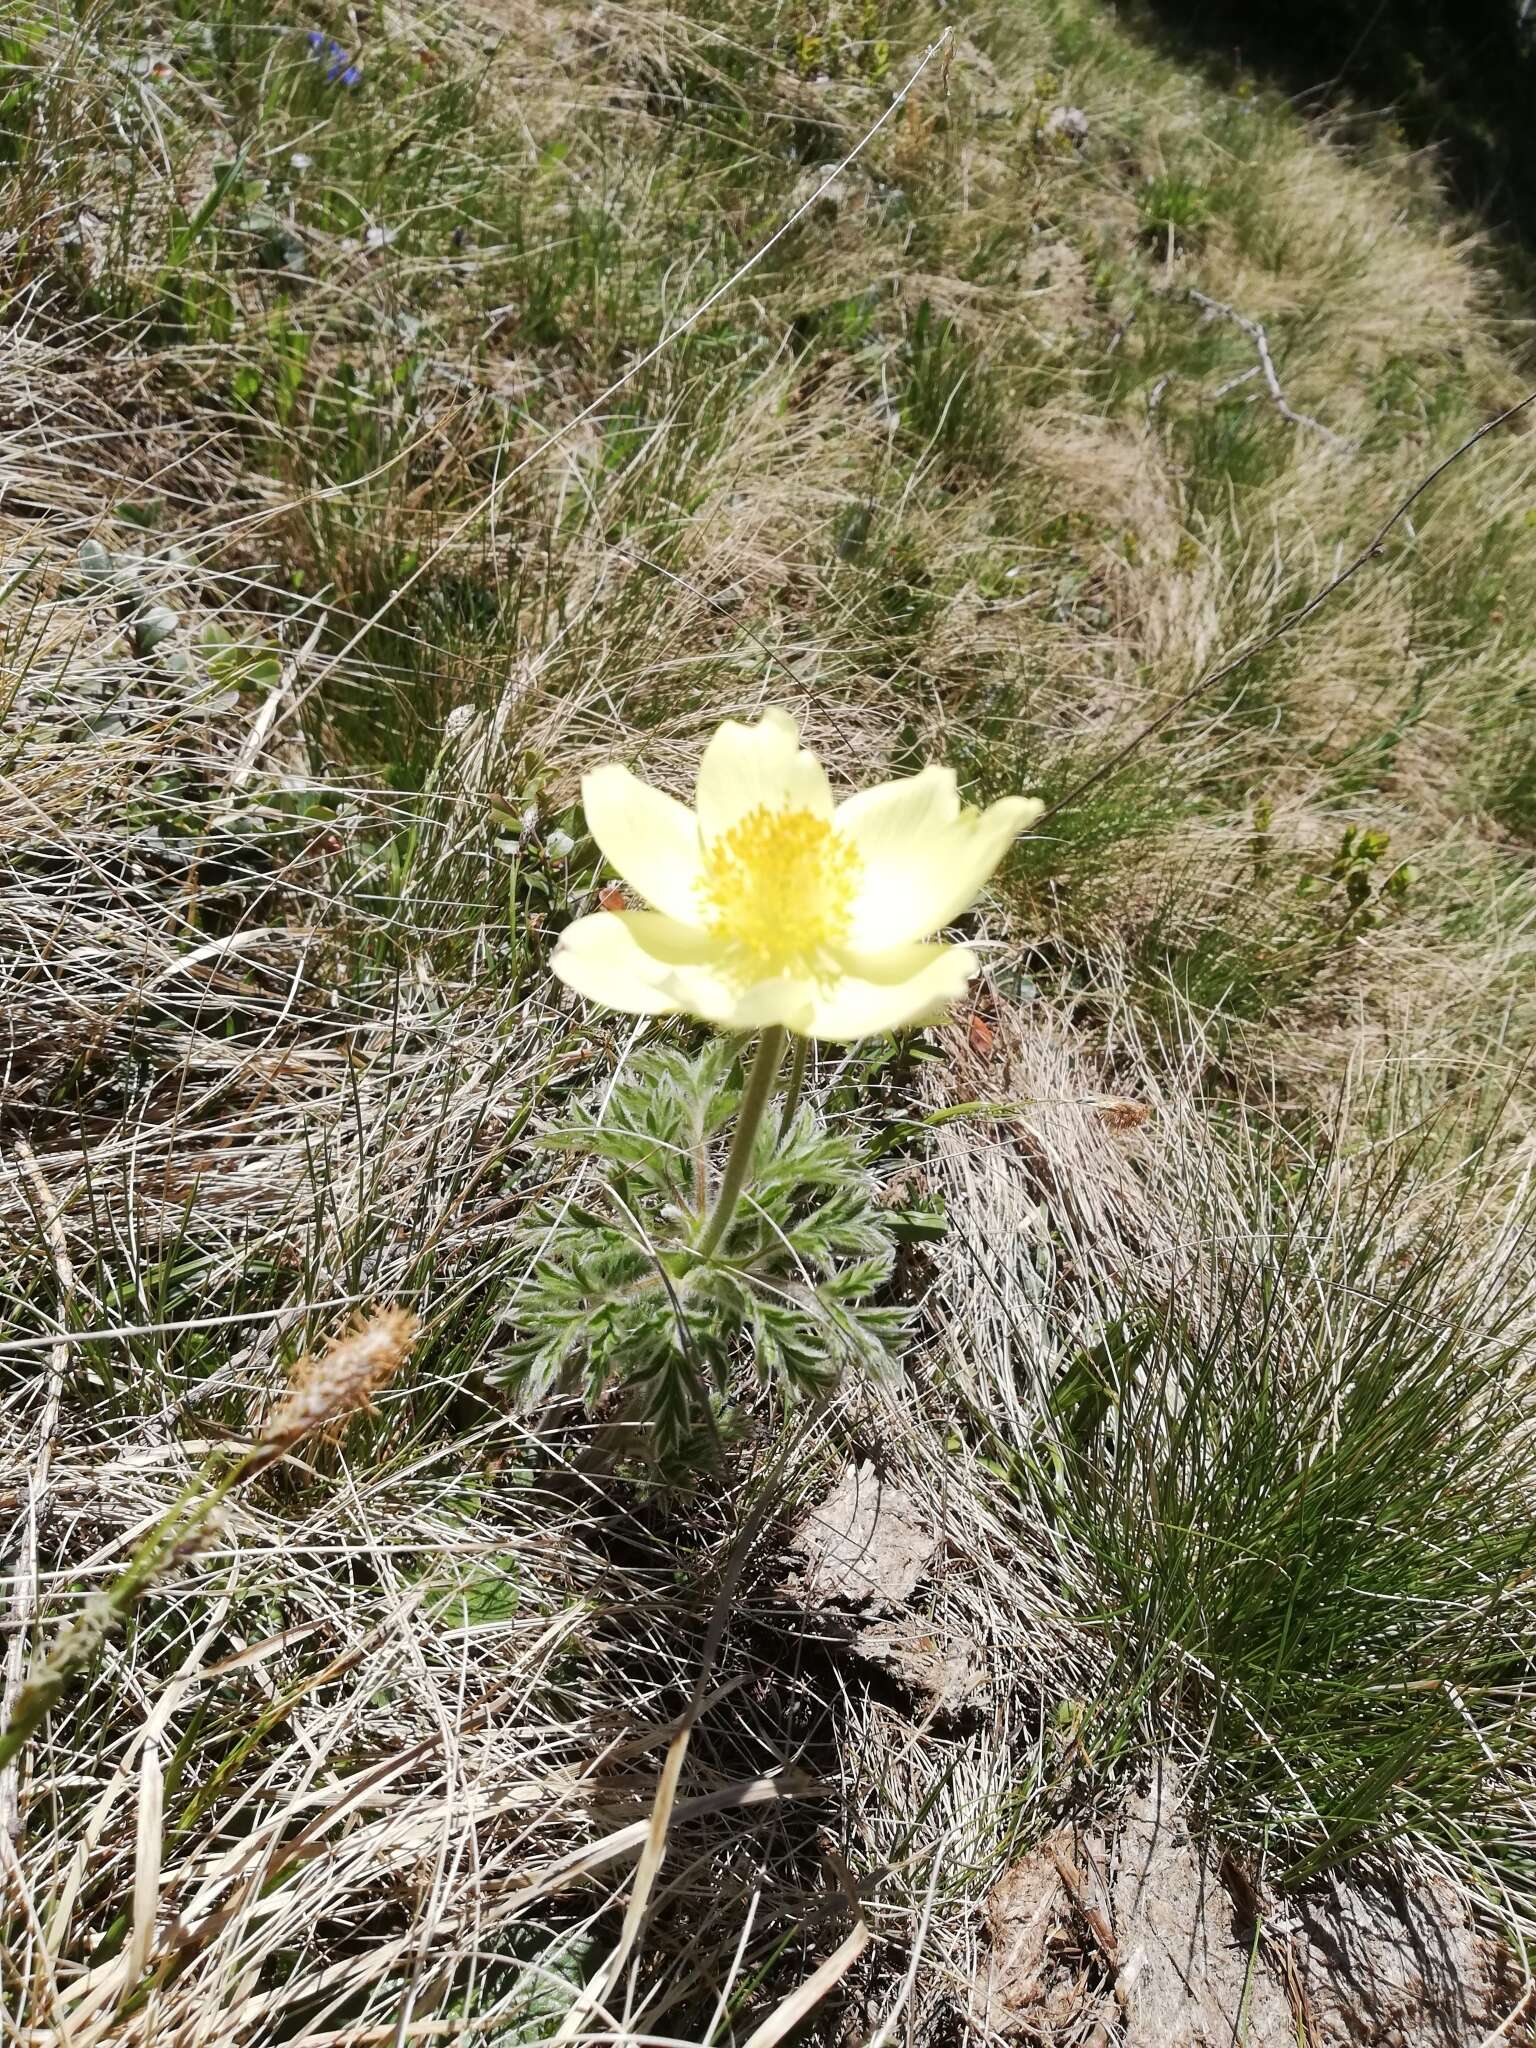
(618,1305)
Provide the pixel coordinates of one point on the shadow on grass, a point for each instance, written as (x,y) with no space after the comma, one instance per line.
(1460,76)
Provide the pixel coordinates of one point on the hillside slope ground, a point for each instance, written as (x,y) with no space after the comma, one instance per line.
(402,410)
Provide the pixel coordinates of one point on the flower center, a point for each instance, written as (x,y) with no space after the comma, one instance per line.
(779,885)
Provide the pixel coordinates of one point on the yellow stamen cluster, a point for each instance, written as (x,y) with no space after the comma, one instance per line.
(779,886)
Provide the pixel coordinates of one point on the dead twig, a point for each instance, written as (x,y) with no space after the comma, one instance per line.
(1093,1916)
(1254,329)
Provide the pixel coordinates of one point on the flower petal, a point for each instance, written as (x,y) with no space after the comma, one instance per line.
(786,999)
(631,960)
(653,966)
(925,859)
(888,991)
(650,838)
(747,766)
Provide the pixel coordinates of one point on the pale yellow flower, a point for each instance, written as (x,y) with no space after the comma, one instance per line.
(772,904)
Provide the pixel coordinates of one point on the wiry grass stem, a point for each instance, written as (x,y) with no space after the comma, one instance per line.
(324,1389)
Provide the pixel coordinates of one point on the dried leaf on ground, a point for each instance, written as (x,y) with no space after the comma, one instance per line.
(1187,1977)
(1403,1969)
(865,1546)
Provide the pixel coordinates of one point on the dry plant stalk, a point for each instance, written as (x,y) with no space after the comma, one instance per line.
(324,1390)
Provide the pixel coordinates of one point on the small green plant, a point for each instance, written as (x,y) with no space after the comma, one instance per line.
(1355,883)
(950,400)
(148,623)
(20,61)
(629,1308)
(842,42)
(1174,210)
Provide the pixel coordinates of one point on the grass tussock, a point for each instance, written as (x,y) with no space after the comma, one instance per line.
(401,413)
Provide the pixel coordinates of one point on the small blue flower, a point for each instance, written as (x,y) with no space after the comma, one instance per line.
(339,68)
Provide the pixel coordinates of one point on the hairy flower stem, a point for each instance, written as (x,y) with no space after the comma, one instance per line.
(754,1105)
(796,1086)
